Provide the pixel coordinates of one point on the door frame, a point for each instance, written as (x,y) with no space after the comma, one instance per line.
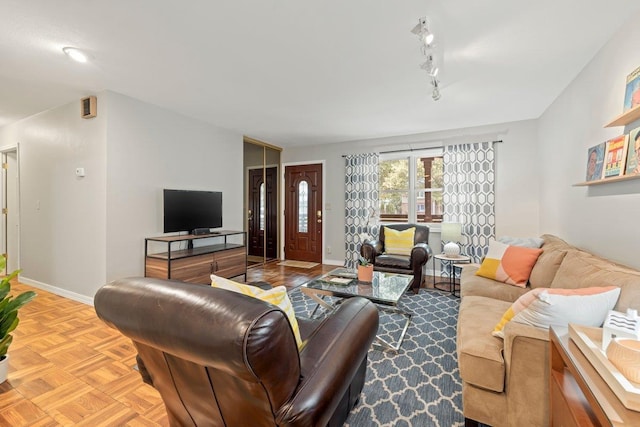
(324,203)
(15,258)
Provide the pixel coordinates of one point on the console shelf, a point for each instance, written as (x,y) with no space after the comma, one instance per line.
(194,263)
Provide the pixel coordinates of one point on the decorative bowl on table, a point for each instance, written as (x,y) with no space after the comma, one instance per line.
(624,354)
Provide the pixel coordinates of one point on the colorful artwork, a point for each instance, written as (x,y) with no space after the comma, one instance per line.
(633,153)
(615,156)
(595,161)
(632,91)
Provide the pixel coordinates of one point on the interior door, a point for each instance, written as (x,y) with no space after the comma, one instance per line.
(303,213)
(256,226)
(10,205)
(263,212)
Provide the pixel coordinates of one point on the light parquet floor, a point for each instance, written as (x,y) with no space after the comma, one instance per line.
(66,367)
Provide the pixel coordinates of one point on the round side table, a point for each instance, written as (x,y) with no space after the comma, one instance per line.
(454,264)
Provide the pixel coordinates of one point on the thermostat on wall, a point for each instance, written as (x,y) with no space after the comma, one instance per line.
(88,107)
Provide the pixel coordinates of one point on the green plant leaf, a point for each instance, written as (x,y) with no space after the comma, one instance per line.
(20,300)
(4,345)
(5,288)
(8,323)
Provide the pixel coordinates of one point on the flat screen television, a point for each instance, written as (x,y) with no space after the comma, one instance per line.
(187,210)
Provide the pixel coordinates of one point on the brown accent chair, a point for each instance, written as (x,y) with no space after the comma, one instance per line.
(219,358)
(415,264)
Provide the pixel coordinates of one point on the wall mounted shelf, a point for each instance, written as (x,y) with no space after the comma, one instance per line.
(607,180)
(625,118)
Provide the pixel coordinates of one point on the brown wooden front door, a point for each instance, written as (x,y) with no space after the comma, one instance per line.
(303,213)
(263,212)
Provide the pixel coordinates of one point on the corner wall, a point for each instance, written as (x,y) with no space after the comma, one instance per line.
(62,217)
(602,219)
(150,148)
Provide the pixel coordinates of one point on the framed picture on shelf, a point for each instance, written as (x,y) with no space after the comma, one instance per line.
(633,153)
(615,156)
(595,161)
(632,90)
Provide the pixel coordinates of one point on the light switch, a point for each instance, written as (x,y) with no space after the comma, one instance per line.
(80,172)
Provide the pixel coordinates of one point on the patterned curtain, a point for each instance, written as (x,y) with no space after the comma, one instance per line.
(360,204)
(469,195)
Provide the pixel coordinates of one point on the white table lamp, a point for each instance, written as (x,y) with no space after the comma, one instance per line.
(451,232)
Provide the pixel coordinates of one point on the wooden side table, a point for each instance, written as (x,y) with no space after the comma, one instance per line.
(578,394)
(454,263)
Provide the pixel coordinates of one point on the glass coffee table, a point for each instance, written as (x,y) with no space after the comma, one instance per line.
(384,290)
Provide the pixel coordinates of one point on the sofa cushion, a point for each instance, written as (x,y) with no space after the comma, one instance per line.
(393,261)
(398,242)
(508,264)
(543,307)
(472,285)
(276,296)
(479,353)
(546,267)
(580,269)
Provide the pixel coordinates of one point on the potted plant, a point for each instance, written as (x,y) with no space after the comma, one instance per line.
(9,315)
(365,270)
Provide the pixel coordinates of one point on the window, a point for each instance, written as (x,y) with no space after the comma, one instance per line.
(411,189)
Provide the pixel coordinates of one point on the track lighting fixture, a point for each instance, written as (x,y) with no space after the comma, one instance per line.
(426,37)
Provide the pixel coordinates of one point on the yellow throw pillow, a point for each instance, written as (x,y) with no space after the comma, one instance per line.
(276,296)
(508,264)
(398,242)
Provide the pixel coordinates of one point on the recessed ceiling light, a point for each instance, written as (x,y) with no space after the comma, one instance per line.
(76,54)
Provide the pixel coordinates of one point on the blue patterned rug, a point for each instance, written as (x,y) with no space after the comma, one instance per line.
(420,385)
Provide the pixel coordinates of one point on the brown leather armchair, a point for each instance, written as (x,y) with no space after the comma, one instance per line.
(220,358)
(374,252)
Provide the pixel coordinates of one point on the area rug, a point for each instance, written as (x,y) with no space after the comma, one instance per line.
(420,385)
(299,264)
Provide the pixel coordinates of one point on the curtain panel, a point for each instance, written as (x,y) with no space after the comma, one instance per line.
(469,194)
(361,203)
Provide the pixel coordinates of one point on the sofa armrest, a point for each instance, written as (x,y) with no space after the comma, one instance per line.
(329,361)
(370,249)
(526,354)
(420,254)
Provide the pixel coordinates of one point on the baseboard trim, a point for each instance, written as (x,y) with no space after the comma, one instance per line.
(333,262)
(58,291)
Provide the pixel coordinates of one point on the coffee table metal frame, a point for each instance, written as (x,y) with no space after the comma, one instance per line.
(386,303)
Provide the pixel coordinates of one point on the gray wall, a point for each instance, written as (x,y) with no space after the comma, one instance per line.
(62,217)
(602,219)
(148,149)
(79,233)
(517,209)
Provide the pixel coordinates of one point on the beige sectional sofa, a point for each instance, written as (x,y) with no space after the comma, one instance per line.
(506,382)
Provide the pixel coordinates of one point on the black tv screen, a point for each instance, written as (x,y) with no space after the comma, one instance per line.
(186,210)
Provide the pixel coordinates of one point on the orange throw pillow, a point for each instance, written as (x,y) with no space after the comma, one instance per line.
(508,264)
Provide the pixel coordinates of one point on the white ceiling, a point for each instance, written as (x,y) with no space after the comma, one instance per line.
(293,72)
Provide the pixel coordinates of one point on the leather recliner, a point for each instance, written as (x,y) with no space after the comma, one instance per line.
(415,264)
(219,358)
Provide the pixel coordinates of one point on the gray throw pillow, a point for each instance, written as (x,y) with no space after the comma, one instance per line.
(527,242)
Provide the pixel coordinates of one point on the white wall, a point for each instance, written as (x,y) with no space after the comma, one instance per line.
(516,176)
(150,148)
(62,217)
(602,219)
(79,233)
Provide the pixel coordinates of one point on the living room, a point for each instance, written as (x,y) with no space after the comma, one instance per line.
(78,233)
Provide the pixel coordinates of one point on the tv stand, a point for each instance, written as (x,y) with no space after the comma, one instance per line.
(224,254)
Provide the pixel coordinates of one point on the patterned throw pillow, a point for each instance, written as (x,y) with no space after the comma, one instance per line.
(508,264)
(276,296)
(542,307)
(398,242)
